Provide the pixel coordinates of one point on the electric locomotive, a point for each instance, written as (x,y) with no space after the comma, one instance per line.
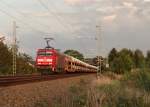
(50,60)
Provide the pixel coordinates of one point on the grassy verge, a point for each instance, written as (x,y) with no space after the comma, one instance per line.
(133,90)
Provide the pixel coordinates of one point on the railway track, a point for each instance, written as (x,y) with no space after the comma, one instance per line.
(17,80)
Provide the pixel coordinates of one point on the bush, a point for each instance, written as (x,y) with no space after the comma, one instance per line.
(43,103)
(118,95)
(110,75)
(141,79)
(122,62)
(78,94)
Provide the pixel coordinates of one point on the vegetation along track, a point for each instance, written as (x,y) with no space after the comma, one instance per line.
(16,80)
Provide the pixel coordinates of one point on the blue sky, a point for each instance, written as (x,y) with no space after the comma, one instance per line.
(124,24)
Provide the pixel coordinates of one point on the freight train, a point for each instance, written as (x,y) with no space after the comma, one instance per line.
(49,60)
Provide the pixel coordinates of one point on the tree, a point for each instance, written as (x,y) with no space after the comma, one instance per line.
(74,54)
(122,61)
(148,59)
(126,60)
(24,61)
(112,55)
(5,59)
(139,59)
(24,64)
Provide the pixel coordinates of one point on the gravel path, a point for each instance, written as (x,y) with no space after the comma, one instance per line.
(28,94)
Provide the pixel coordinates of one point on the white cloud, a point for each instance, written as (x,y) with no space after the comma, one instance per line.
(40,14)
(35,13)
(76,2)
(128,4)
(147,0)
(105,9)
(110,17)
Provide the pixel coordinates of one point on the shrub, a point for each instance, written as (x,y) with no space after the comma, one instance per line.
(43,103)
(141,79)
(121,96)
(122,62)
(78,94)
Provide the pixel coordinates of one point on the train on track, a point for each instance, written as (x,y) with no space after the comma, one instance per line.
(50,60)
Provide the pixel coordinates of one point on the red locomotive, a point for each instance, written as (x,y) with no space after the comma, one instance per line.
(50,60)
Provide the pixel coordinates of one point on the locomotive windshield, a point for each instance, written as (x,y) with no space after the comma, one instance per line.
(42,53)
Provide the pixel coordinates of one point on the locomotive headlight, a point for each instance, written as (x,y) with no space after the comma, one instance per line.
(49,60)
(39,63)
(39,60)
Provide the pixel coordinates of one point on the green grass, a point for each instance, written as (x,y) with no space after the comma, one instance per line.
(133,90)
(139,79)
(42,103)
(121,96)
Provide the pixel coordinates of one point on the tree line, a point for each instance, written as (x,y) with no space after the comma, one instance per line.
(24,61)
(119,61)
(125,60)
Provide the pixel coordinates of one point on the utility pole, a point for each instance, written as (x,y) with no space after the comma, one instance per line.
(99,64)
(98,38)
(14,48)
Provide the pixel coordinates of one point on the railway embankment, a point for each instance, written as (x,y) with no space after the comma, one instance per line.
(27,95)
(81,91)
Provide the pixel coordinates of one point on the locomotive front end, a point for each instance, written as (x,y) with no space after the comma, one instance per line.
(46,60)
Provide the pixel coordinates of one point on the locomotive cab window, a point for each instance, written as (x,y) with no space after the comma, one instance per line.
(44,53)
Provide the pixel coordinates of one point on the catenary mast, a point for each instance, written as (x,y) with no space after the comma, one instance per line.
(14,49)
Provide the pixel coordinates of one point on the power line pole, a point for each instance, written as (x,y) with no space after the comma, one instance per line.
(14,48)
(99,58)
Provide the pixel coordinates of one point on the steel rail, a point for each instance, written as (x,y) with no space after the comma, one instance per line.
(18,80)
